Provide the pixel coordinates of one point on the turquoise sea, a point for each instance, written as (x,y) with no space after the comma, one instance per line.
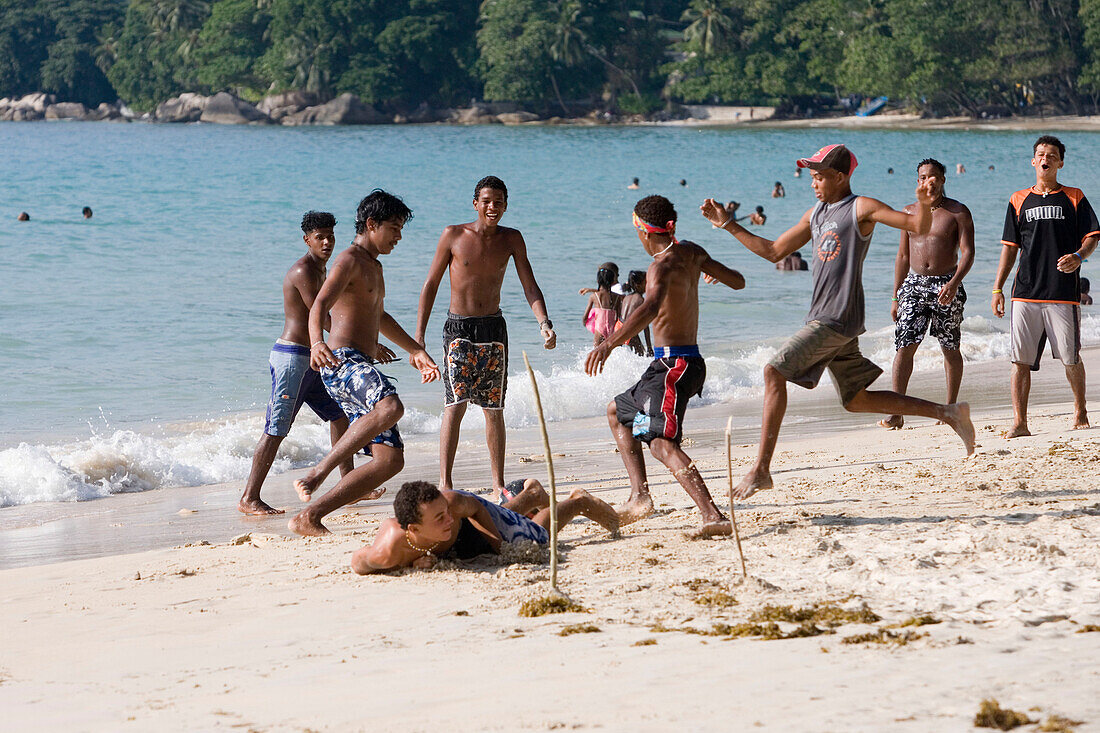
(134,345)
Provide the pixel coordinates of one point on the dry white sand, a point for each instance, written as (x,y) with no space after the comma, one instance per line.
(276,633)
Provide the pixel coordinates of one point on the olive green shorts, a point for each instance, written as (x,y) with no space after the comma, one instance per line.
(805,356)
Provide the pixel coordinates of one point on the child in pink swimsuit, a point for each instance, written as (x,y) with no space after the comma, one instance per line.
(601,317)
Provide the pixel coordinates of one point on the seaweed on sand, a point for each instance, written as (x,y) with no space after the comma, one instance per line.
(992,715)
(882,636)
(549,604)
(579,629)
(826,614)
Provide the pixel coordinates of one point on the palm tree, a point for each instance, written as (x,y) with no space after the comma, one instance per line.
(169,16)
(570,43)
(710,26)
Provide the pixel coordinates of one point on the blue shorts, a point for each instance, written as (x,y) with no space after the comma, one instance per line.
(294,383)
(357,386)
(513,526)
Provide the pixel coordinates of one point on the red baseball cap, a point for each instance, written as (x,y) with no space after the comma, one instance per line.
(836,157)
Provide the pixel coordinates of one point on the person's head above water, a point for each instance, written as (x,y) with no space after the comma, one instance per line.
(408,505)
(759,209)
(86,212)
(635,181)
(23,216)
(607,275)
(831,168)
(683,182)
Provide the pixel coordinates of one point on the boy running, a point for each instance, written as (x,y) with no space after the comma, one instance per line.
(354,294)
(652,411)
(1054,229)
(293,382)
(840,226)
(928,291)
(475,337)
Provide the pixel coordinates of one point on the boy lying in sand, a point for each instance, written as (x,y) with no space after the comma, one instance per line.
(432,524)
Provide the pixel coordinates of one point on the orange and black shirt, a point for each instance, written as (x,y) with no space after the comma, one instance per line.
(1046,227)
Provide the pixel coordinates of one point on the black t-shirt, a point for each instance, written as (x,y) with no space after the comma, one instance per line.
(1045,228)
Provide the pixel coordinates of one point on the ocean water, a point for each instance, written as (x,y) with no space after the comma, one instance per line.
(134,345)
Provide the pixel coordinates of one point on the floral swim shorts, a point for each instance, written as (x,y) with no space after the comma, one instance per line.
(475,350)
(357,387)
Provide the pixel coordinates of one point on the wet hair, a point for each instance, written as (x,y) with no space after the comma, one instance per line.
(607,275)
(655,210)
(491,182)
(1050,140)
(778,183)
(759,209)
(1084,285)
(314,220)
(635,181)
(890,171)
(683,182)
(23,216)
(406,505)
(381,207)
(934,163)
(86,212)
(633,279)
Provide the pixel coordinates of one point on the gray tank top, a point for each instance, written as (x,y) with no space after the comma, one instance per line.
(839,249)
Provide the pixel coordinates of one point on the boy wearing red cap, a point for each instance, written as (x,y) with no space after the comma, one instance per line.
(840,226)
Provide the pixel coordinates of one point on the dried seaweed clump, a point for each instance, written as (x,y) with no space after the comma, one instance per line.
(579,629)
(770,631)
(826,614)
(1087,628)
(992,715)
(882,636)
(925,620)
(1058,724)
(645,642)
(549,604)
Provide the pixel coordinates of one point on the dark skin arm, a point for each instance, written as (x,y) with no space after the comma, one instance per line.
(342,273)
(436,270)
(772,250)
(532,291)
(901,270)
(966,257)
(418,357)
(467,507)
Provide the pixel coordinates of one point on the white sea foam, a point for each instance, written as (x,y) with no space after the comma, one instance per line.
(221,451)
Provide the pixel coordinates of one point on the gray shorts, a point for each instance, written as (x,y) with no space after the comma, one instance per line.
(806,355)
(1033,324)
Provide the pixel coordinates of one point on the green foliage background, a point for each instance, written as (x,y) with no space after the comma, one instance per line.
(562,56)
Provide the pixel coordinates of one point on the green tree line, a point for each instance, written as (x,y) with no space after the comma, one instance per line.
(940,56)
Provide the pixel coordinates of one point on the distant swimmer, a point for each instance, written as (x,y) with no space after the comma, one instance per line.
(889,171)
(1086,299)
(1053,229)
(86,212)
(353,294)
(293,381)
(840,227)
(960,169)
(778,191)
(732,207)
(429,525)
(601,315)
(475,336)
(797,172)
(23,216)
(633,296)
(634,184)
(793,262)
(758,217)
(652,411)
(991,167)
(928,291)
(683,182)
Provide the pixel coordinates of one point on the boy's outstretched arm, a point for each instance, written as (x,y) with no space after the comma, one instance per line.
(773,251)
(730,278)
(431,284)
(919,222)
(418,357)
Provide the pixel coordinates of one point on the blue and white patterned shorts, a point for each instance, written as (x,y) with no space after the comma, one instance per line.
(513,526)
(357,386)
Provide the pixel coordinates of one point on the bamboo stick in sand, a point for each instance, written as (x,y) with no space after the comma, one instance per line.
(729,473)
(553,486)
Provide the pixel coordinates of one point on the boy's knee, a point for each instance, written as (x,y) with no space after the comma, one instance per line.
(772,376)
(612,410)
(392,407)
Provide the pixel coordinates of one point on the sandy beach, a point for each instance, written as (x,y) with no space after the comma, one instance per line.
(916,584)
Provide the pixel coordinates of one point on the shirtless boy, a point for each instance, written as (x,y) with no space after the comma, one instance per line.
(652,411)
(928,291)
(293,382)
(475,337)
(840,227)
(432,524)
(1053,229)
(353,294)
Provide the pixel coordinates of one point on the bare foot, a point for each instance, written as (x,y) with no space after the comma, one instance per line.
(958,417)
(721,528)
(306,486)
(1081,421)
(301,524)
(637,508)
(599,511)
(256,508)
(756,480)
(1017,431)
(373,494)
(894,422)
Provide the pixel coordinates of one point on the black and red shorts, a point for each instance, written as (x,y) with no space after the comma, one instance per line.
(655,406)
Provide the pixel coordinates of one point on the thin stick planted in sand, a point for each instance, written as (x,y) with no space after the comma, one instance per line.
(733,517)
(553,486)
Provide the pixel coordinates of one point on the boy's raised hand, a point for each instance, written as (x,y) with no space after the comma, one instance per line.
(714,212)
(423,363)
